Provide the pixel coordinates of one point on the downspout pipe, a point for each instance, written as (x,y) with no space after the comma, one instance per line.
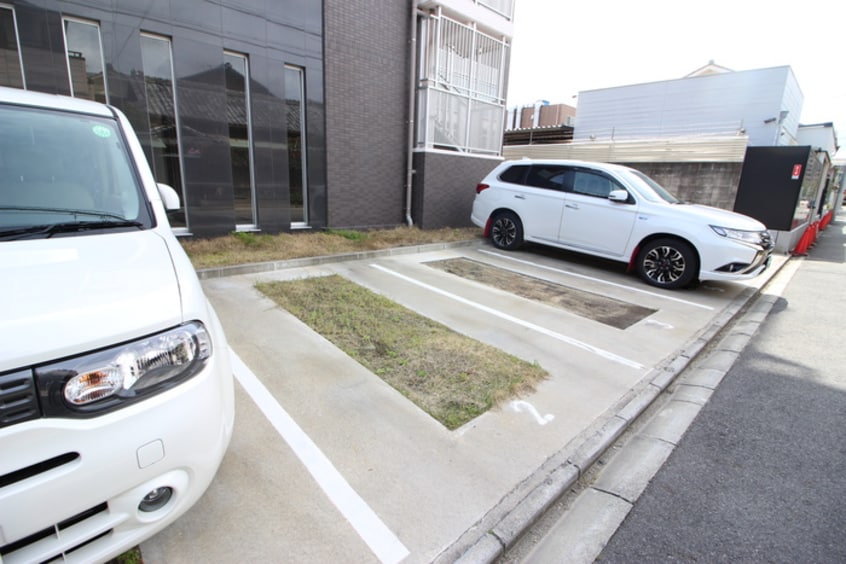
(412,90)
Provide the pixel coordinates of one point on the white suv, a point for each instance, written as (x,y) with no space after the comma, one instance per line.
(618,213)
(116,392)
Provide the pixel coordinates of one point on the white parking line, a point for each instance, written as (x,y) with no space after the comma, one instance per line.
(543,330)
(592,279)
(384,544)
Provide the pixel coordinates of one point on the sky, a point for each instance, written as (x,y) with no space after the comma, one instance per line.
(561,47)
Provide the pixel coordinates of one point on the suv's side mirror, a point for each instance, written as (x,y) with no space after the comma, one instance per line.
(170,198)
(618,196)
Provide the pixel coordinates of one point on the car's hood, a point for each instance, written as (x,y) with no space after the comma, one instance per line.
(720,217)
(63,296)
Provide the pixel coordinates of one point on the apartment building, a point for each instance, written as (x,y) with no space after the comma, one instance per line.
(285,115)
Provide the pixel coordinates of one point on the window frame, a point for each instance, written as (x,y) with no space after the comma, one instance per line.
(250,147)
(96,25)
(177,121)
(304,223)
(11,9)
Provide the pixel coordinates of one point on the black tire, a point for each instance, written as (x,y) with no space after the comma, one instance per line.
(667,263)
(506,231)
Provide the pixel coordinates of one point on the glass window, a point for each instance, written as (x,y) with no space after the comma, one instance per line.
(504,7)
(590,184)
(294,100)
(11,68)
(650,189)
(161,110)
(550,176)
(236,69)
(85,60)
(515,174)
(59,169)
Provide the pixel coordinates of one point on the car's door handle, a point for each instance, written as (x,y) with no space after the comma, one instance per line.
(520,196)
(572,206)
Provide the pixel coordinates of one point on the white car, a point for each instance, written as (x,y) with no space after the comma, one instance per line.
(116,390)
(618,213)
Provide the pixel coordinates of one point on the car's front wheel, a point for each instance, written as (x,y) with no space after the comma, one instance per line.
(506,231)
(667,263)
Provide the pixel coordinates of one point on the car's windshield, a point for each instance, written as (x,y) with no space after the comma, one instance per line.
(650,189)
(60,171)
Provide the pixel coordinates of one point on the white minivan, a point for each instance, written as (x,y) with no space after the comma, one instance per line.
(116,390)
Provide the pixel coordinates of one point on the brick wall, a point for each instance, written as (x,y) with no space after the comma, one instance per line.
(366,81)
(444,188)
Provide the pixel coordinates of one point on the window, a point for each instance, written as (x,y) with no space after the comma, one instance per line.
(236,69)
(59,166)
(515,174)
(504,7)
(161,110)
(297,177)
(550,176)
(11,65)
(460,88)
(590,184)
(85,60)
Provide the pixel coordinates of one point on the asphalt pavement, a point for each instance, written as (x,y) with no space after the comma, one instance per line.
(758,475)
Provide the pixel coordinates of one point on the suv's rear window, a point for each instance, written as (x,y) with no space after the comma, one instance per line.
(58,168)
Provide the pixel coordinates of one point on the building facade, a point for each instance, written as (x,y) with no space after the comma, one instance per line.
(461,71)
(285,115)
(763,104)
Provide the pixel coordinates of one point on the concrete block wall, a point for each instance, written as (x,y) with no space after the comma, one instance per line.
(366,79)
(714,184)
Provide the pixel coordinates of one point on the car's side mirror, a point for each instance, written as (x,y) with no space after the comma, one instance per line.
(619,196)
(170,198)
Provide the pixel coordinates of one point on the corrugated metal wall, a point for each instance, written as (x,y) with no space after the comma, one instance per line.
(762,103)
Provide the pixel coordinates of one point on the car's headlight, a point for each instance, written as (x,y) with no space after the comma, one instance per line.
(111,378)
(751,237)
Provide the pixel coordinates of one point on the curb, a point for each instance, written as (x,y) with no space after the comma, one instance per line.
(510,527)
(270,266)
(504,524)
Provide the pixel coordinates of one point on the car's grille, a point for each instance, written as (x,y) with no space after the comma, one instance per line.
(63,542)
(37,469)
(18,398)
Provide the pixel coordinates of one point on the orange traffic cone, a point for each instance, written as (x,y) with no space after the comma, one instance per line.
(801,248)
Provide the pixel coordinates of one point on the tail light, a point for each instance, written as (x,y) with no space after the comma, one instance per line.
(480,187)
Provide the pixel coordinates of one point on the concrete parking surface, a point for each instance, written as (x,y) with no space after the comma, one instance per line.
(329,463)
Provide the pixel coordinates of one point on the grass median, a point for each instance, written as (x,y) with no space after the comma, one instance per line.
(248,247)
(450,376)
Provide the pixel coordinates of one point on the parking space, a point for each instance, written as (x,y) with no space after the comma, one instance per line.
(329,463)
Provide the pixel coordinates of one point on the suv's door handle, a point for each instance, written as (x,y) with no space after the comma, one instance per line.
(520,196)
(572,206)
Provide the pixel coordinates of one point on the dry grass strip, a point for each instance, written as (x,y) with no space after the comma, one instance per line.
(450,376)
